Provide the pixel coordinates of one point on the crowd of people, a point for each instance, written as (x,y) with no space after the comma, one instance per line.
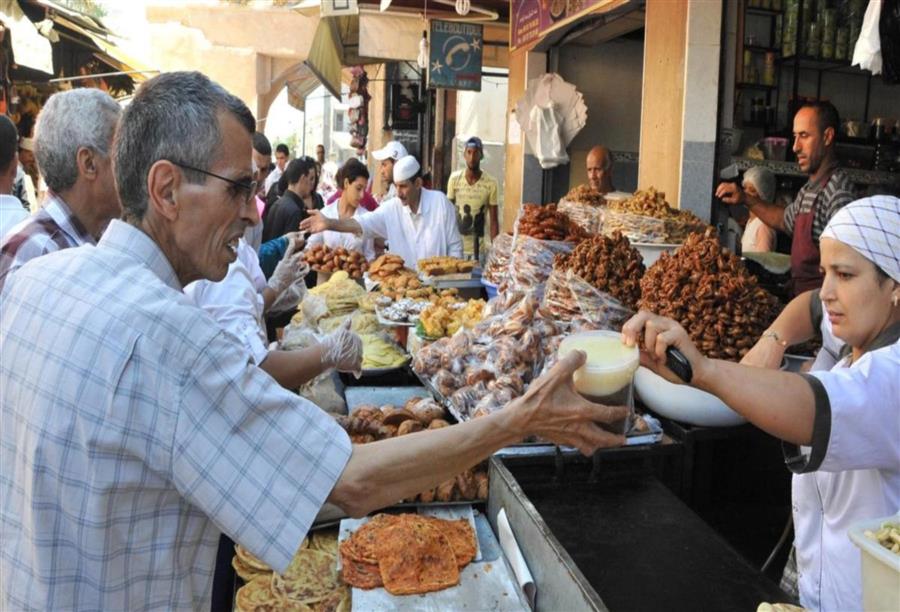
(144,410)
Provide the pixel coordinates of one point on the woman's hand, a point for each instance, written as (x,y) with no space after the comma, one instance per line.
(659,334)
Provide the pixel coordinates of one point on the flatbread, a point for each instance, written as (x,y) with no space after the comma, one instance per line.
(414,556)
(461,537)
(310,578)
(361,545)
(250,561)
(360,575)
(326,541)
(258,596)
(243,570)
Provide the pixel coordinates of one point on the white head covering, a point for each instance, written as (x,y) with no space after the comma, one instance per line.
(405,168)
(872,227)
(394,150)
(763,180)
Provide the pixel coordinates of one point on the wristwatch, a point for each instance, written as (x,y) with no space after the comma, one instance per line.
(771,333)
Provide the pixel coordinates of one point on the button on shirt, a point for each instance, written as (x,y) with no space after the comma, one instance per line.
(851,473)
(431,231)
(236,302)
(133,429)
(347,240)
(52,228)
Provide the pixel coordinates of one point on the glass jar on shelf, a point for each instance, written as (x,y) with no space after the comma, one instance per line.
(813,39)
(769,69)
(842,43)
(829,31)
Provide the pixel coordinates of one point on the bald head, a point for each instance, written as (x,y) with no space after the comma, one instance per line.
(599,169)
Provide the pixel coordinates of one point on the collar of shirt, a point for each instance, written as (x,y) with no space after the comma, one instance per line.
(11,202)
(134,243)
(60,212)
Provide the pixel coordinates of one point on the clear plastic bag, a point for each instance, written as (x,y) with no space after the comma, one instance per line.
(288,299)
(589,218)
(637,228)
(497,264)
(531,263)
(567,297)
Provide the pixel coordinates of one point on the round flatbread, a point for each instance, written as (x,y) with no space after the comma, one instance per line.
(361,545)
(326,541)
(311,577)
(243,570)
(250,561)
(461,537)
(415,557)
(360,575)
(258,596)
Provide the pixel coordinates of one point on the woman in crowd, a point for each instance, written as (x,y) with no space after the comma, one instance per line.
(840,426)
(352,178)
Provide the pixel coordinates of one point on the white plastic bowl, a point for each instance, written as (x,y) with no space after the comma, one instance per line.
(651,252)
(683,403)
(880,567)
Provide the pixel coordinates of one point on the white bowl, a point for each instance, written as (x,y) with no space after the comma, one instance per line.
(651,252)
(683,403)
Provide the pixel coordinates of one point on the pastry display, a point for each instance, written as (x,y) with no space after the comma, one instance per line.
(385,266)
(610,264)
(379,353)
(647,217)
(322,258)
(547,223)
(442,319)
(531,263)
(443,265)
(340,292)
(585,194)
(497,265)
(407,553)
(708,290)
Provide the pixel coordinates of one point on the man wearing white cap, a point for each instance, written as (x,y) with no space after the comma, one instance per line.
(388,156)
(418,223)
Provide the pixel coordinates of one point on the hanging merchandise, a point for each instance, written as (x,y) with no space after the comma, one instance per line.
(867,54)
(551,113)
(359,107)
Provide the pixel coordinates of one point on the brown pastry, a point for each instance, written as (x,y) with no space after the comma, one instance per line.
(467,486)
(481,482)
(396,416)
(438,423)
(409,426)
(427,497)
(445,490)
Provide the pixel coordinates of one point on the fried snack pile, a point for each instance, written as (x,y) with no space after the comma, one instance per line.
(442,265)
(404,283)
(583,194)
(888,536)
(676,224)
(380,353)
(498,260)
(407,553)
(445,319)
(547,223)
(322,258)
(385,266)
(608,263)
(707,289)
(371,423)
(340,292)
(311,581)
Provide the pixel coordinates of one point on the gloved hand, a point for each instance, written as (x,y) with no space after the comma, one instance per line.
(291,268)
(343,350)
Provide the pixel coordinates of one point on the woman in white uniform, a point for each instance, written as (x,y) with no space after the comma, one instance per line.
(840,427)
(353,177)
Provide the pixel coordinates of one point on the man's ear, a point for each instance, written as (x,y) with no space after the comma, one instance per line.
(829,136)
(86,159)
(163,182)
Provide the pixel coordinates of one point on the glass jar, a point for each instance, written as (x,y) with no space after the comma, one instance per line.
(813,39)
(769,69)
(829,31)
(842,43)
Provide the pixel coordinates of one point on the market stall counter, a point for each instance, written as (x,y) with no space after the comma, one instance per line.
(622,542)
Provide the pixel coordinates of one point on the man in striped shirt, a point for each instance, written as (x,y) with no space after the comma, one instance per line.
(73,139)
(827,191)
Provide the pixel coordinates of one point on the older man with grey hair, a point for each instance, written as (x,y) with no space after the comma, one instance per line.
(758,237)
(73,138)
(133,428)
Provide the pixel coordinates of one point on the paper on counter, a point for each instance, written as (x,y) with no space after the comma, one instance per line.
(514,556)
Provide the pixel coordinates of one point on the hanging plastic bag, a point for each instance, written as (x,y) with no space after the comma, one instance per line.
(867,53)
(549,150)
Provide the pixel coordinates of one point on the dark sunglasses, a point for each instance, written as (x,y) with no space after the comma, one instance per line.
(249,187)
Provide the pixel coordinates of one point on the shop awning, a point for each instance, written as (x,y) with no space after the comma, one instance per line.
(325,56)
(300,85)
(30,49)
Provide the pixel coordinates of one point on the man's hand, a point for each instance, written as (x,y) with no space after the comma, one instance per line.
(766,353)
(315,223)
(730,193)
(290,269)
(659,334)
(552,409)
(343,350)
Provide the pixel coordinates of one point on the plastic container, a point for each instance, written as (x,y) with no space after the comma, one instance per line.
(880,567)
(607,377)
(490,289)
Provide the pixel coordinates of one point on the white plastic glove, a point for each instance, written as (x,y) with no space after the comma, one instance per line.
(291,268)
(343,350)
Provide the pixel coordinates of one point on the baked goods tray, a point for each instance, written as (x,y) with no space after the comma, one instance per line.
(382,371)
(486,584)
(385,322)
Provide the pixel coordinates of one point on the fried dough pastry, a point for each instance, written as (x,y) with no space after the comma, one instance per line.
(414,556)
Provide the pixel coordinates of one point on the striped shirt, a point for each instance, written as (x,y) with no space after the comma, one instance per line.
(132,430)
(835,194)
(52,228)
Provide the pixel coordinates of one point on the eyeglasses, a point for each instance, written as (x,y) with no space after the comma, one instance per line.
(250,187)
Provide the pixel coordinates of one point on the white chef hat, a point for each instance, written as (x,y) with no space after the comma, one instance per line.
(392,150)
(405,168)
(870,226)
